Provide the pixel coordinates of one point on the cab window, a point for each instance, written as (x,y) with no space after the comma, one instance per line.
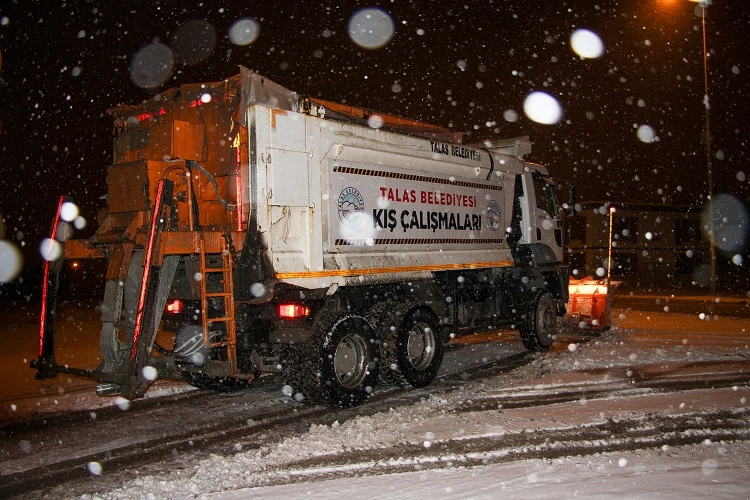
(544,190)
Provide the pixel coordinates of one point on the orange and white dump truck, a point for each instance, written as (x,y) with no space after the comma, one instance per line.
(339,247)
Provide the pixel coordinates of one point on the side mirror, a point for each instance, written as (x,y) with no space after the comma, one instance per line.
(570,198)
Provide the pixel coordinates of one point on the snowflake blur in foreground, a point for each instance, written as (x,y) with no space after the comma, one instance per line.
(50,249)
(244,31)
(94,468)
(510,115)
(730,222)
(646,134)
(371,28)
(11,261)
(586,44)
(150,373)
(69,211)
(152,65)
(542,108)
(375,121)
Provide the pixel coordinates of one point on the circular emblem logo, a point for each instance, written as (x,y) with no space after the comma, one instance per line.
(351,207)
(493,215)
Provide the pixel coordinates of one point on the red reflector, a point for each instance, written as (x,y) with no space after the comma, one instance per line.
(293,311)
(174,307)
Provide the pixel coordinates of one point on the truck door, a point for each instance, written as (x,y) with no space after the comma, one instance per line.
(282,141)
(544,223)
(287,170)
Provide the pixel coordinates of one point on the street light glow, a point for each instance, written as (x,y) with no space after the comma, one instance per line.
(701,3)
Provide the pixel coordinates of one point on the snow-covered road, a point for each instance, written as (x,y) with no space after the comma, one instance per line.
(615,435)
(698,471)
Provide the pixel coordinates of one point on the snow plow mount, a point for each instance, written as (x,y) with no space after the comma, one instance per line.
(141,271)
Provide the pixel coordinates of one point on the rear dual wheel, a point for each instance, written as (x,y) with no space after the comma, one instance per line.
(412,348)
(339,367)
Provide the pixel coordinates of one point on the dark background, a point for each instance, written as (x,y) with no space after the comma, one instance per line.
(455,64)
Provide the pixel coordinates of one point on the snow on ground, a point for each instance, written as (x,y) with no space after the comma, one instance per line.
(76,344)
(700,471)
(716,469)
(669,472)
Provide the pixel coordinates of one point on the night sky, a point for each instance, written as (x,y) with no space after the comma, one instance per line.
(465,65)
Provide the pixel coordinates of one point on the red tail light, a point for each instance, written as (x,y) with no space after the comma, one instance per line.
(292,311)
(175,307)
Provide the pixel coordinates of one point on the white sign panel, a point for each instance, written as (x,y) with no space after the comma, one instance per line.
(378,207)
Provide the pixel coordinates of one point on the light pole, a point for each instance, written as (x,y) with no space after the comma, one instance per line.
(702,4)
(609,251)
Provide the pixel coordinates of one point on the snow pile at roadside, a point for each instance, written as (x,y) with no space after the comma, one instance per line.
(268,465)
(425,424)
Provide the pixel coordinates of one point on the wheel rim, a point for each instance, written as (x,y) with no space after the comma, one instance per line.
(350,360)
(420,346)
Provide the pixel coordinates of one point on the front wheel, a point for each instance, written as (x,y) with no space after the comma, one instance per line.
(539,325)
(340,365)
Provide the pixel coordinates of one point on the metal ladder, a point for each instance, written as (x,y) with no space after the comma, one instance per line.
(226,293)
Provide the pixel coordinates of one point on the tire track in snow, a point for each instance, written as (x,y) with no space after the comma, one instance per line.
(276,420)
(609,436)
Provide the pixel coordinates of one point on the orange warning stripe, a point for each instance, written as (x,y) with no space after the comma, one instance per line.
(388,270)
(388,120)
(361,242)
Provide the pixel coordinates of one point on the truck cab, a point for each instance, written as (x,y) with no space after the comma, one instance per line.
(543,209)
(541,204)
